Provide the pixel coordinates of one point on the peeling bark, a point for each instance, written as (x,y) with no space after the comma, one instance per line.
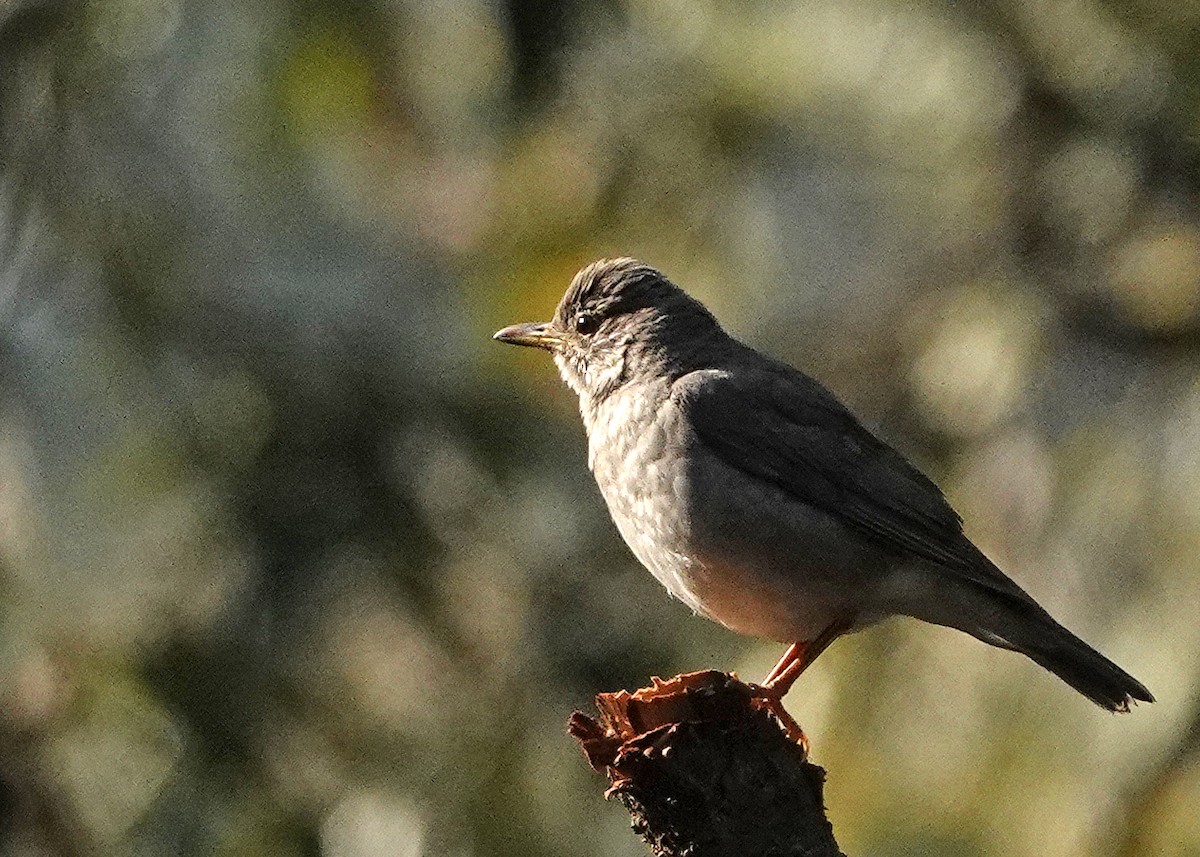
(706,771)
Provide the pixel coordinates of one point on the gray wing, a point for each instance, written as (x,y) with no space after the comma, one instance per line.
(777,425)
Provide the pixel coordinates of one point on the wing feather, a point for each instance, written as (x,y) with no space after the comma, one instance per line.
(781,426)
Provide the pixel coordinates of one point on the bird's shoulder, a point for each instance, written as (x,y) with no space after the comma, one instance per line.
(755,399)
(768,388)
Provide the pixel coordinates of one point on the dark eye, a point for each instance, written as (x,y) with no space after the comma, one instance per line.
(586,323)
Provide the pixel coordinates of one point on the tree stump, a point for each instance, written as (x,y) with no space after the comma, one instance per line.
(706,771)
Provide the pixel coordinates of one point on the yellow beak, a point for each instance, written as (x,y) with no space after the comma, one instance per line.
(534,334)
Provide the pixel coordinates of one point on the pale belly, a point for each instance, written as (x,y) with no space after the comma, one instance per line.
(744,596)
(763,574)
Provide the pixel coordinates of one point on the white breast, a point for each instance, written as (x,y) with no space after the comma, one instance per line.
(772,580)
(628,435)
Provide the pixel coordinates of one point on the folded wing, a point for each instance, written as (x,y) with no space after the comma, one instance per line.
(782,427)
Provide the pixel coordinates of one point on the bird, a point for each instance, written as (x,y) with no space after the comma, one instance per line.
(760,501)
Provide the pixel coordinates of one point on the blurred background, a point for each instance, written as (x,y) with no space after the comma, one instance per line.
(295,561)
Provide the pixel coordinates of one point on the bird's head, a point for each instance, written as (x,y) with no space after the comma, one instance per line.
(619,320)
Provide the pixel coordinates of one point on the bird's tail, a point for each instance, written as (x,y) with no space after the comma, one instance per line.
(1082,667)
(1010,619)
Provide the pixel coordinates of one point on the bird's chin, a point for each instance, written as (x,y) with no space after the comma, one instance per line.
(572,374)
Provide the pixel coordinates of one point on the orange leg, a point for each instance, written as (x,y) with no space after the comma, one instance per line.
(784,674)
(795,652)
(799,656)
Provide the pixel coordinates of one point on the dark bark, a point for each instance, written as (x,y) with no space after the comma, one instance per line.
(705,770)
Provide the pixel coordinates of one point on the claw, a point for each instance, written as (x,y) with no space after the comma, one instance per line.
(770,699)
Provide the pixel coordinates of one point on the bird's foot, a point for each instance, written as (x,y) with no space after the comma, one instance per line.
(769,697)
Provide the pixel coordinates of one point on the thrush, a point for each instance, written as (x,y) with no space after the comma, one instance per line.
(760,501)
